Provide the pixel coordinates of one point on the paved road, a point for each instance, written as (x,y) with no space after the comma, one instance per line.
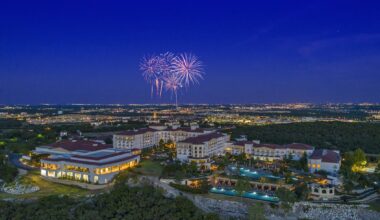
(15,160)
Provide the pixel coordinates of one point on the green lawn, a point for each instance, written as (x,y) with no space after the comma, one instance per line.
(47,188)
(149,167)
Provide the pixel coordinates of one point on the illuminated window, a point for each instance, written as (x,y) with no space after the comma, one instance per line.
(313,166)
(96,179)
(85,177)
(43,172)
(51,173)
(77,176)
(70,174)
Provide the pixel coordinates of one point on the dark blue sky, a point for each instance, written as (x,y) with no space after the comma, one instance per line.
(253,51)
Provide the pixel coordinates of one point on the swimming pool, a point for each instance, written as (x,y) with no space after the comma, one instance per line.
(253,174)
(249,195)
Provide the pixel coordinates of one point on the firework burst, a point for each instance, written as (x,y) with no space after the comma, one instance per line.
(171,72)
(188,68)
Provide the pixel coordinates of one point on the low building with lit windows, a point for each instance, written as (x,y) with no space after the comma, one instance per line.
(199,149)
(322,192)
(85,161)
(272,152)
(323,159)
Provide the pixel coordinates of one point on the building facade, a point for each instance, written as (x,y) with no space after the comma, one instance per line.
(84,161)
(323,159)
(151,136)
(199,149)
(272,152)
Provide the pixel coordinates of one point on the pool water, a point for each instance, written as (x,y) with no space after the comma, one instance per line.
(250,195)
(254,174)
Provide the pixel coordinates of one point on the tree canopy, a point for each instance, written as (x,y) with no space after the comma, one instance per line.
(333,135)
(121,203)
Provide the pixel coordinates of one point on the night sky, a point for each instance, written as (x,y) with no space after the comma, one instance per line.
(260,52)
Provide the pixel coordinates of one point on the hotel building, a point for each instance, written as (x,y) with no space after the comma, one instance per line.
(151,136)
(199,149)
(85,161)
(239,147)
(272,152)
(269,152)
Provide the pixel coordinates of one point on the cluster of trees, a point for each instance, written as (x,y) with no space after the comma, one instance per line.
(121,203)
(7,172)
(353,175)
(179,170)
(333,135)
(21,137)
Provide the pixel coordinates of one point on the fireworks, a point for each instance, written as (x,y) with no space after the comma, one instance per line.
(171,72)
(189,68)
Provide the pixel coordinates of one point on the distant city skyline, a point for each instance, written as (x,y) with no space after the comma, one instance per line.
(261,52)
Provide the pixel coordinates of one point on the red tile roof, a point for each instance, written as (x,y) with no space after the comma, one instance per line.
(202,138)
(73,145)
(299,146)
(242,143)
(327,156)
(136,132)
(272,146)
(187,129)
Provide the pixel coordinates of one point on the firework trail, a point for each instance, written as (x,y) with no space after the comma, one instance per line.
(172,84)
(165,66)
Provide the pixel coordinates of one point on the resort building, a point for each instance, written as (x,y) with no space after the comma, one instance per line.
(239,147)
(272,152)
(85,161)
(151,136)
(327,160)
(199,149)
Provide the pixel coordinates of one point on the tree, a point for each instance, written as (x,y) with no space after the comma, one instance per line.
(359,160)
(241,158)
(7,172)
(192,168)
(122,202)
(302,191)
(161,144)
(303,162)
(286,195)
(348,185)
(108,140)
(256,212)
(288,177)
(242,186)
(204,186)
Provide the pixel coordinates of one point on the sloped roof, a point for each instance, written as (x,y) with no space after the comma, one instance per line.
(136,132)
(299,146)
(202,138)
(327,156)
(83,145)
